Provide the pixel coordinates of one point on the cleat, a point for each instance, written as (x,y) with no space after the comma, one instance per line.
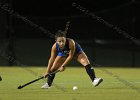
(97,81)
(45,86)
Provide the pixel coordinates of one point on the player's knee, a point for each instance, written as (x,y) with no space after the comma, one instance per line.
(85,62)
(54,68)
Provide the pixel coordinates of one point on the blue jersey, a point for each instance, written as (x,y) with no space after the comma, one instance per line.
(65,51)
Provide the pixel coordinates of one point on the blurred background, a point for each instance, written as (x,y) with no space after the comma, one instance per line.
(22,42)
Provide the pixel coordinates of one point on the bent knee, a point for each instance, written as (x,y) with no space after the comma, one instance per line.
(55,67)
(84,62)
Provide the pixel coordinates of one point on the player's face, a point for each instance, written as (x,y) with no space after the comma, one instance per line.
(61,41)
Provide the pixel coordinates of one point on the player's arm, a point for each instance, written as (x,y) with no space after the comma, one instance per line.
(71,54)
(52,58)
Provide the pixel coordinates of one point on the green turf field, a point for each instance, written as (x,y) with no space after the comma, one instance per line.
(119,84)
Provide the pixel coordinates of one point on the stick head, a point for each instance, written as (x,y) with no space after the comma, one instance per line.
(19,87)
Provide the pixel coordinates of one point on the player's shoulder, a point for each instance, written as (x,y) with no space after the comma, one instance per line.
(71,40)
(54,46)
(71,43)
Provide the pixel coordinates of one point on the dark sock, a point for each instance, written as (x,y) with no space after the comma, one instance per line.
(50,79)
(90,72)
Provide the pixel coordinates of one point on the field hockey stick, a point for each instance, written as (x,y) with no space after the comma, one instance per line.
(21,86)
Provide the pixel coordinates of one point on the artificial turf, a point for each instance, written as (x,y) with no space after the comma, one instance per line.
(118,84)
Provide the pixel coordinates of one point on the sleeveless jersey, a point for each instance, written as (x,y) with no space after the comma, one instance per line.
(66,49)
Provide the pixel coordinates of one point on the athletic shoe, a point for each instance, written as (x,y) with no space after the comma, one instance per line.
(45,86)
(97,81)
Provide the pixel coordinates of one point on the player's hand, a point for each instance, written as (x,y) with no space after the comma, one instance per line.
(62,68)
(45,75)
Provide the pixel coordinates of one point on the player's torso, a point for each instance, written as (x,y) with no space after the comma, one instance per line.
(65,51)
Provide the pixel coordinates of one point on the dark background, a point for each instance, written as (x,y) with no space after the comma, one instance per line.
(102,44)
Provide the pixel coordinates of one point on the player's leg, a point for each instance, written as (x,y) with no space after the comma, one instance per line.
(57,63)
(83,59)
(59,60)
